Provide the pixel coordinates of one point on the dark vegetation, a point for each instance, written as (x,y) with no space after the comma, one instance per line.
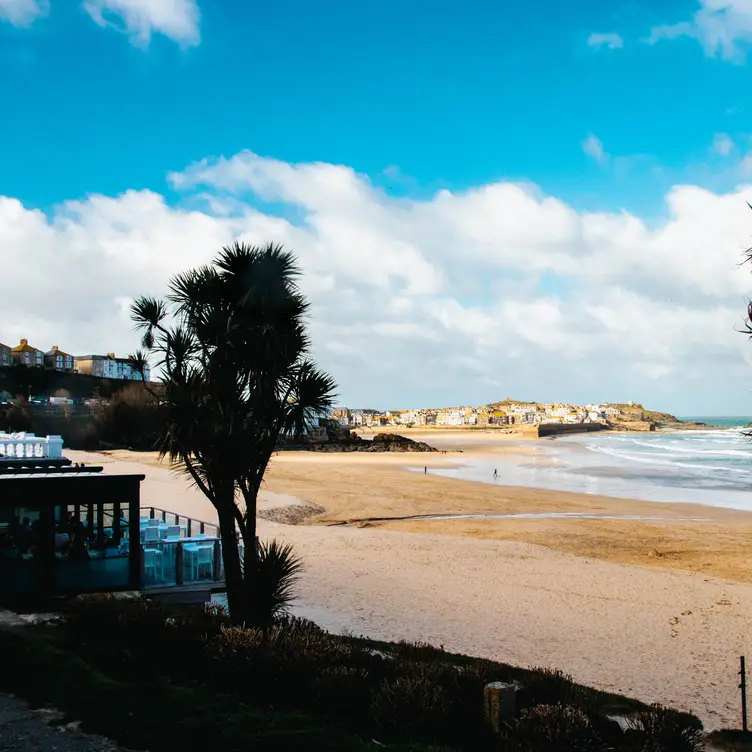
(203,679)
(42,382)
(131,418)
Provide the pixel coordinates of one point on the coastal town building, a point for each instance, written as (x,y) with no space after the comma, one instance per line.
(109,367)
(103,366)
(26,355)
(342,415)
(451,417)
(504,413)
(57,360)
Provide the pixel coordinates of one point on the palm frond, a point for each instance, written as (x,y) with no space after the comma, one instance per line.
(270,586)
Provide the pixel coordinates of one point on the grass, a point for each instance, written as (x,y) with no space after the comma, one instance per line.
(158,714)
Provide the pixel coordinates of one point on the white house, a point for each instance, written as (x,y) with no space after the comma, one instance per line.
(453,417)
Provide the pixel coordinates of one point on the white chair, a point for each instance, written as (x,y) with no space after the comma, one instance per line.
(151,535)
(153,522)
(173,531)
(204,559)
(152,560)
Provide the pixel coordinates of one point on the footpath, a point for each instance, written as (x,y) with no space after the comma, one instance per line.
(25,730)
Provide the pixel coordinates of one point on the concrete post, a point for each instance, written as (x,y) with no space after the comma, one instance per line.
(499,703)
(55,447)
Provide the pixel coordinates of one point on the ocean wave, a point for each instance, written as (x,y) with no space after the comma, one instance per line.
(653,460)
(693,450)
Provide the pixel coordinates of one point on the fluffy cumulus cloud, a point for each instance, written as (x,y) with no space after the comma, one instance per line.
(723,27)
(609,41)
(23,13)
(175,19)
(461,298)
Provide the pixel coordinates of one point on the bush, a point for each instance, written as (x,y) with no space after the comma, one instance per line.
(552,728)
(660,729)
(139,638)
(406,691)
(550,688)
(418,651)
(410,704)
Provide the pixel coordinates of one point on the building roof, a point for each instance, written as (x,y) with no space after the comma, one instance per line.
(57,351)
(24,346)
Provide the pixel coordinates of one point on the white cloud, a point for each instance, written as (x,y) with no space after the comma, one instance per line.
(175,19)
(593,147)
(23,12)
(418,301)
(723,27)
(610,41)
(723,144)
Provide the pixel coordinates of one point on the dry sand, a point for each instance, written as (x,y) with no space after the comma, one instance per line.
(555,593)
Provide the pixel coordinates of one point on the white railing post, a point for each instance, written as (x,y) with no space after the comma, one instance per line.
(55,446)
(27,445)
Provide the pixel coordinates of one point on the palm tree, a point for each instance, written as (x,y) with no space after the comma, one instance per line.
(231,341)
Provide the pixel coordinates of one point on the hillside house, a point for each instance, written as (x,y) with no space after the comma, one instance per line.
(57,360)
(109,367)
(26,355)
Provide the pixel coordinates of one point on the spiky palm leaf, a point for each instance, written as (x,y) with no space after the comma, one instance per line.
(270,583)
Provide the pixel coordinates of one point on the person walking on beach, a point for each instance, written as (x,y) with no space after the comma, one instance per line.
(425,469)
(496,473)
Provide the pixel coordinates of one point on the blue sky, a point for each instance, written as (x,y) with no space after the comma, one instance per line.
(594,111)
(454,94)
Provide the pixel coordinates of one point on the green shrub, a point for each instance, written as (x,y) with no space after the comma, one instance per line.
(418,651)
(407,691)
(660,729)
(552,728)
(410,704)
(139,638)
(549,687)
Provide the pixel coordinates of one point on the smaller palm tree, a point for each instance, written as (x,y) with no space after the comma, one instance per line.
(271,583)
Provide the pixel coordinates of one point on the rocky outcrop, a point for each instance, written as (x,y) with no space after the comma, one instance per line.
(291,514)
(381,442)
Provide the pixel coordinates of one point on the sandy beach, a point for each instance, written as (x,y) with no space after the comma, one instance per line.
(659,610)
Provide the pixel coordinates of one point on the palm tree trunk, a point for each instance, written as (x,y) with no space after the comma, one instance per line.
(236,600)
(250,549)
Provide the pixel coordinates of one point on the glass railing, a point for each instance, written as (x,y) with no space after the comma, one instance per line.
(178,550)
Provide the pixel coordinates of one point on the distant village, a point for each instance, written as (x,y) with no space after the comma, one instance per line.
(507,413)
(102,366)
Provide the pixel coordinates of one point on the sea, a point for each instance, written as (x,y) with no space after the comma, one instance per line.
(710,467)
